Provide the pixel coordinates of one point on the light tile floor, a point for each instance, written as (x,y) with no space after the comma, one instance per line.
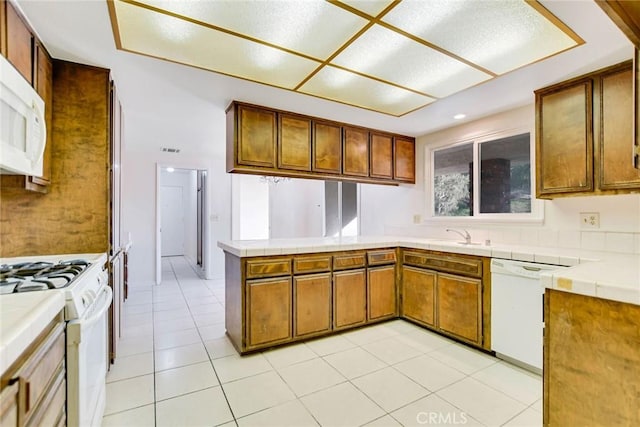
(177,368)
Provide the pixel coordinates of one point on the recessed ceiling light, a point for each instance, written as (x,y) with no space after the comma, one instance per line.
(170,169)
(459,116)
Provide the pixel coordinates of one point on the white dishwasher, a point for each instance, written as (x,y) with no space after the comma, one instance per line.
(516,311)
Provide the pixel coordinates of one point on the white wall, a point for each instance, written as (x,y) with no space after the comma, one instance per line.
(206,132)
(251,207)
(297,208)
(619,214)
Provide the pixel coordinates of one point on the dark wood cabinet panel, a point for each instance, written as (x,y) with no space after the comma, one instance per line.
(574,387)
(381,156)
(616,131)
(418,295)
(312,304)
(327,147)
(268,267)
(404,159)
(459,303)
(19,43)
(269,311)
(349,260)
(356,152)
(564,139)
(44,86)
(349,298)
(294,142)
(305,264)
(381,295)
(256,139)
(381,257)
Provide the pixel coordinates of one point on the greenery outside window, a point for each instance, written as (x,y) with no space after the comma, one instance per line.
(488,177)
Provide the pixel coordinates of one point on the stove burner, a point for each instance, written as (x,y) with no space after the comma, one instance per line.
(35,276)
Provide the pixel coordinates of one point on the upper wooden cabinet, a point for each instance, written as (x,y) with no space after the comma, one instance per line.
(381,156)
(294,149)
(616,131)
(259,127)
(27,54)
(19,43)
(356,152)
(584,135)
(405,159)
(266,141)
(327,147)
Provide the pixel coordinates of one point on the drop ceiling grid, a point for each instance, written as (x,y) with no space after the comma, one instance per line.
(376,46)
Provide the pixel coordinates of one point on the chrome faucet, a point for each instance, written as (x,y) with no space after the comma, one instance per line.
(466,236)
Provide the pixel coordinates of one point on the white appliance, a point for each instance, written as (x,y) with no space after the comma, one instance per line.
(517,311)
(23,132)
(84,282)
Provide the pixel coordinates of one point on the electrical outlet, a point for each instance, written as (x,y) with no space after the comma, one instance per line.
(417,219)
(589,220)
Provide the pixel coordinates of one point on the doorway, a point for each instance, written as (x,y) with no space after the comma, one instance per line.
(181,211)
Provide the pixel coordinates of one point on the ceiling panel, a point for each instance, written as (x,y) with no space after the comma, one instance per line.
(499,35)
(419,51)
(342,86)
(370,7)
(387,55)
(314,28)
(159,35)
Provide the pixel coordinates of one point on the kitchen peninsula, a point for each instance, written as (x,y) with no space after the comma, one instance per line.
(268,281)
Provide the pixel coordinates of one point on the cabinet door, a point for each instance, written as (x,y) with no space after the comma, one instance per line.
(616,131)
(327,147)
(381,156)
(268,311)
(381,295)
(405,160)
(44,86)
(349,298)
(257,137)
(9,405)
(294,142)
(356,152)
(459,302)
(564,139)
(19,43)
(418,295)
(312,302)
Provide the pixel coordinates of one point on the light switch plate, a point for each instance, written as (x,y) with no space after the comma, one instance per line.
(589,220)
(417,219)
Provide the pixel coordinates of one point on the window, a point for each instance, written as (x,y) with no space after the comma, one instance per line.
(486,177)
(341,209)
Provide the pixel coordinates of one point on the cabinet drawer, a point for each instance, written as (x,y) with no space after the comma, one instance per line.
(347,261)
(9,405)
(52,408)
(268,267)
(387,256)
(448,263)
(40,368)
(311,264)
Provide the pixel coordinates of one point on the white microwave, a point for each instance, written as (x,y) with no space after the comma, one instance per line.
(23,131)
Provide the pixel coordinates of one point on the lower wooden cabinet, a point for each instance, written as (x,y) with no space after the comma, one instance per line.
(459,303)
(312,304)
(349,298)
(268,311)
(418,295)
(381,295)
(33,390)
(9,401)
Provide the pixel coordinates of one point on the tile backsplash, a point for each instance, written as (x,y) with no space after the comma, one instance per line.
(608,241)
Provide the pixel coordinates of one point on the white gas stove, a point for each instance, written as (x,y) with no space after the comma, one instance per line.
(84,282)
(80,276)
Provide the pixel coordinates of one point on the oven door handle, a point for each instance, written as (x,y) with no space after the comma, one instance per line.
(100,311)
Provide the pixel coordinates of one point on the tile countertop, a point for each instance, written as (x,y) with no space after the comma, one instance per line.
(22,318)
(606,275)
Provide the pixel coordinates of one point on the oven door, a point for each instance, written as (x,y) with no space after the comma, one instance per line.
(87,363)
